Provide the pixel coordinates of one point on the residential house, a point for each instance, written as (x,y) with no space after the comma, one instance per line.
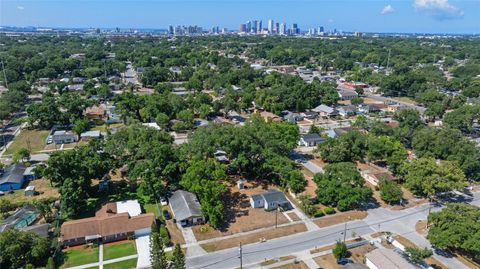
(382,258)
(373,175)
(64,137)
(268,116)
(12,178)
(152,125)
(292,117)
(29,173)
(346,111)
(346,94)
(310,140)
(96,112)
(221,156)
(365,109)
(186,208)
(112,222)
(271,199)
(91,135)
(20,219)
(311,115)
(325,111)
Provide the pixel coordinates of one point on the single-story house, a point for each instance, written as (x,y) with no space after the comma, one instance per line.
(20,219)
(292,117)
(221,156)
(310,140)
(153,125)
(112,222)
(186,208)
(12,178)
(386,259)
(345,111)
(326,111)
(310,115)
(91,134)
(347,95)
(268,116)
(373,176)
(64,137)
(29,173)
(270,199)
(96,112)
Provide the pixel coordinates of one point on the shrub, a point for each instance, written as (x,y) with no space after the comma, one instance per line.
(329,210)
(319,213)
(340,250)
(165,235)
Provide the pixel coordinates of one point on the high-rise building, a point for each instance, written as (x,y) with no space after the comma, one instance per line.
(254,27)
(170,29)
(322,30)
(259,26)
(295,29)
(242,28)
(270,26)
(276,29)
(248,27)
(283,29)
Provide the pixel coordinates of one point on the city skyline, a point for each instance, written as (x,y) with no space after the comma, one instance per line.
(409,16)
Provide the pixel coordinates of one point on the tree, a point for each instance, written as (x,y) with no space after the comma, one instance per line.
(80,126)
(390,192)
(307,206)
(178,258)
(22,154)
(417,254)
(342,186)
(340,250)
(50,263)
(158,258)
(456,228)
(426,177)
(356,101)
(21,248)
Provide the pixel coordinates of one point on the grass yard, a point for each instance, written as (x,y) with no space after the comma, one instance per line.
(128,264)
(29,139)
(42,186)
(79,256)
(103,128)
(255,237)
(152,208)
(117,250)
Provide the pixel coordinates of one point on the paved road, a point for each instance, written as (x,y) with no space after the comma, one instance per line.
(130,75)
(399,222)
(383,99)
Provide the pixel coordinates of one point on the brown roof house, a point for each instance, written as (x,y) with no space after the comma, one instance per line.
(113,222)
(96,112)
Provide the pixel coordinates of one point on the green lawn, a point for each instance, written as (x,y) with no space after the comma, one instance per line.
(152,208)
(118,250)
(34,140)
(128,264)
(79,256)
(103,128)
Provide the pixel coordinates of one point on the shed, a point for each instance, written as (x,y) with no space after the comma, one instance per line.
(30,191)
(186,208)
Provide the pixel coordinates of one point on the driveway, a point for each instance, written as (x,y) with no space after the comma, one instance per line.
(193,248)
(143,250)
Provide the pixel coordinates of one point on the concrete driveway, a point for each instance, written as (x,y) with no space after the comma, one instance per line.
(143,250)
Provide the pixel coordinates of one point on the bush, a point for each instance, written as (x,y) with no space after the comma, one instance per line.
(340,250)
(329,210)
(165,235)
(319,213)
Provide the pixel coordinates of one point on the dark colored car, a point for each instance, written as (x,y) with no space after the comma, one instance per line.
(166,214)
(343,261)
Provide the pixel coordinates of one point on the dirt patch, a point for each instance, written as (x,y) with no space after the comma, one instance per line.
(436,263)
(421,227)
(240,216)
(293,216)
(340,218)
(358,254)
(327,261)
(42,187)
(297,265)
(311,187)
(176,235)
(255,237)
(404,241)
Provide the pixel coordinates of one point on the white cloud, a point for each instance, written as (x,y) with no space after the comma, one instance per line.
(387,9)
(438,9)
(20,7)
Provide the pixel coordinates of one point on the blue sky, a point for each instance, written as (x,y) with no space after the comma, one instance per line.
(413,16)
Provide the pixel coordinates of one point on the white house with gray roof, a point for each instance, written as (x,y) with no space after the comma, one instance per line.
(270,199)
(186,208)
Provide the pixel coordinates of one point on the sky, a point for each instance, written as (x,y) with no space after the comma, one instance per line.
(399,16)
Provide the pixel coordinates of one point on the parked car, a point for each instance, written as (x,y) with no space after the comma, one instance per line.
(166,215)
(343,261)
(163,201)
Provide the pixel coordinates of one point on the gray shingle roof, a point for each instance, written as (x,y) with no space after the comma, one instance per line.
(13,174)
(185,205)
(312,138)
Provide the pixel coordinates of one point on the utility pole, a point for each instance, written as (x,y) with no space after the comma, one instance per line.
(241,258)
(429,210)
(276,217)
(345,233)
